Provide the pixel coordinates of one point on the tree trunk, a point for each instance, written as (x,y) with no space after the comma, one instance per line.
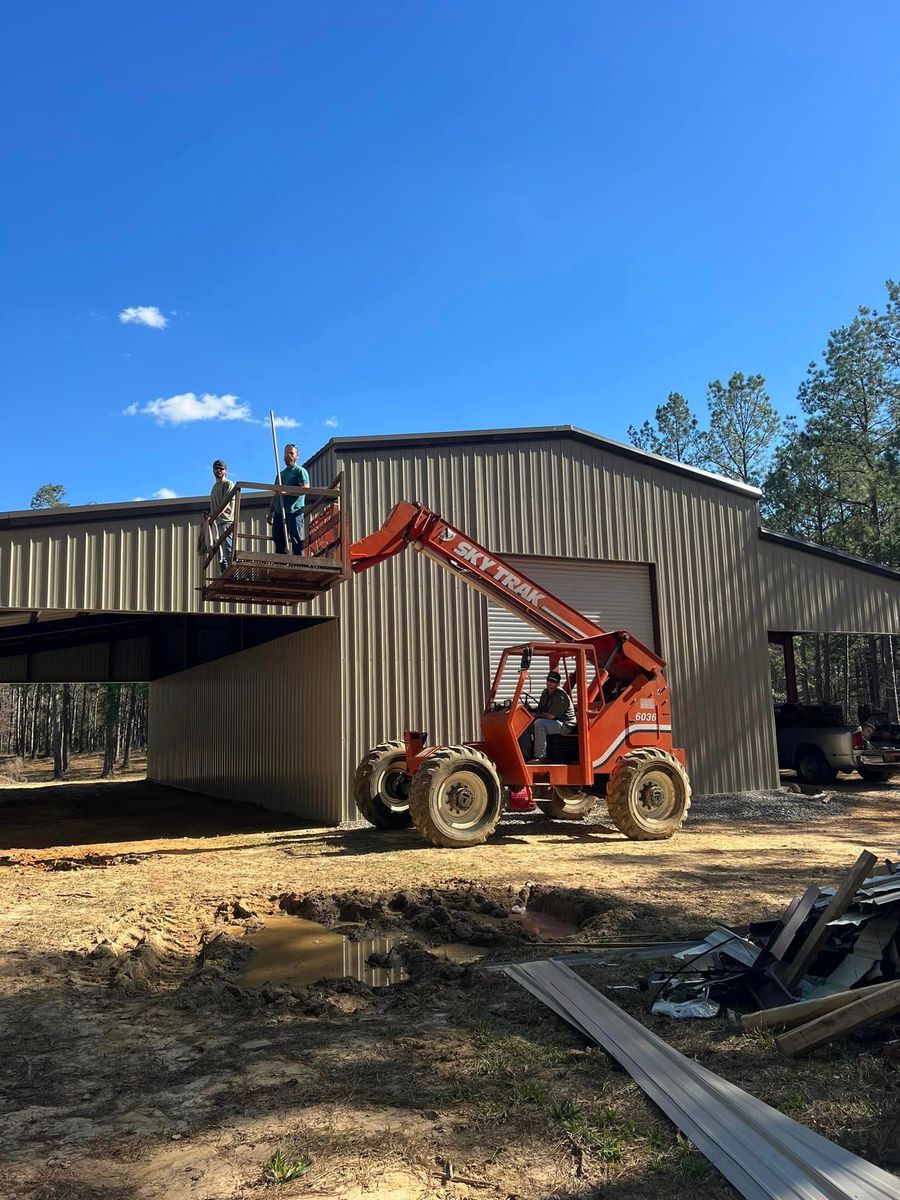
(56,722)
(847,679)
(129,727)
(874,682)
(66,716)
(112,702)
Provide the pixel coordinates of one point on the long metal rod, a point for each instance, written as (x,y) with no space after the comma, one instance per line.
(284,527)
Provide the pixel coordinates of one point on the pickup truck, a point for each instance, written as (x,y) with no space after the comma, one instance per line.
(814,741)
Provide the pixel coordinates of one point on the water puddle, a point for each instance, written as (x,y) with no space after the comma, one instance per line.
(294,951)
(544,926)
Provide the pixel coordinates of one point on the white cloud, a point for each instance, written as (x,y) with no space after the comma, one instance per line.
(331,422)
(180,410)
(162,493)
(144,315)
(188,407)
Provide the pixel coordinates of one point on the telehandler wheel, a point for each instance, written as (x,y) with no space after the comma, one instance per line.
(456,799)
(648,795)
(381,786)
(569,803)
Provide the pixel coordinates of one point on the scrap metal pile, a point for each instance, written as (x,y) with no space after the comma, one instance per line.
(826,968)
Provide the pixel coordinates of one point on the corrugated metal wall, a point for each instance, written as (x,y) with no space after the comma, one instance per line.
(413,639)
(125,660)
(142,563)
(803,592)
(263,726)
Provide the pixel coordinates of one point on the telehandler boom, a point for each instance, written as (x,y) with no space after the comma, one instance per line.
(622,747)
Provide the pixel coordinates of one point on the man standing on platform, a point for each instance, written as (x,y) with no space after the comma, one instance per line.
(221,491)
(287,521)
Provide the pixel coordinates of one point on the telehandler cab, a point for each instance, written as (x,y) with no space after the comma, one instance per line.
(622,748)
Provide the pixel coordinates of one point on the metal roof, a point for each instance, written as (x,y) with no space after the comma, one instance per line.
(80,513)
(850,560)
(462,437)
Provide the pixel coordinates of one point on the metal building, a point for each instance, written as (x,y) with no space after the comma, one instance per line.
(672,553)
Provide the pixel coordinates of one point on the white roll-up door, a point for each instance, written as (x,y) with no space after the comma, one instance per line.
(615,595)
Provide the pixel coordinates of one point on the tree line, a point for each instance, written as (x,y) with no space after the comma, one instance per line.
(830,475)
(57,720)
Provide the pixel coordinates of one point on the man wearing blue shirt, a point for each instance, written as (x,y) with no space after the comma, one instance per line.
(292,476)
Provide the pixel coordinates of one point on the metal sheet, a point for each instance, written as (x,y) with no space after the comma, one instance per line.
(262,726)
(760,1151)
(803,592)
(118,558)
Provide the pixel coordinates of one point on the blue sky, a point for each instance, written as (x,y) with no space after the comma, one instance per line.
(376,217)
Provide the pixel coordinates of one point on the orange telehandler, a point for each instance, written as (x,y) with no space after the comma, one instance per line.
(622,748)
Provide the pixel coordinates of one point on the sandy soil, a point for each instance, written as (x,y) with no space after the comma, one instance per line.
(142,1067)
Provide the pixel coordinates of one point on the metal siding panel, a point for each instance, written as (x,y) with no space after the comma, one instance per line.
(414,640)
(70,664)
(14,669)
(142,563)
(805,593)
(262,726)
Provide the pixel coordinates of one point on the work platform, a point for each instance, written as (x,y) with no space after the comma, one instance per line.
(259,576)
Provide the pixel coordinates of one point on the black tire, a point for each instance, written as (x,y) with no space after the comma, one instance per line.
(648,795)
(875,774)
(456,798)
(381,786)
(812,766)
(570,804)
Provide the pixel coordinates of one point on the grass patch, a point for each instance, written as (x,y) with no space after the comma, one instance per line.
(282,1168)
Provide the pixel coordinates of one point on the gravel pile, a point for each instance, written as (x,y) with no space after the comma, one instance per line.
(780,808)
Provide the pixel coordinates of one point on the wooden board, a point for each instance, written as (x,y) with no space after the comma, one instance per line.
(797,968)
(872,1007)
(805,1010)
(796,914)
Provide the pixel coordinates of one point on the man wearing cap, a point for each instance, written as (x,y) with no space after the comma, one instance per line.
(555,715)
(221,490)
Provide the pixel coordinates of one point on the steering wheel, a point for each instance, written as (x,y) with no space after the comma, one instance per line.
(529,702)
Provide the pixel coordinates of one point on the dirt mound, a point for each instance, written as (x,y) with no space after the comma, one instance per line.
(462,912)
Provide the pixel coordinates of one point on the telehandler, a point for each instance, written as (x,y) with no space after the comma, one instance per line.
(621,750)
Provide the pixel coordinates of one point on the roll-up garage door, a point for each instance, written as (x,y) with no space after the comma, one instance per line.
(615,595)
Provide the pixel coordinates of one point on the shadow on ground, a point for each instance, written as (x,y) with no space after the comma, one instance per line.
(86,814)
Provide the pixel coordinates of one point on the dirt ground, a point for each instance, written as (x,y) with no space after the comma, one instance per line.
(137,1063)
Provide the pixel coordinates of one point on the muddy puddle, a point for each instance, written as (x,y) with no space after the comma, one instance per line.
(544,926)
(294,951)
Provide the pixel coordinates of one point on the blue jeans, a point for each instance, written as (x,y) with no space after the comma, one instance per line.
(225,547)
(543,726)
(294,529)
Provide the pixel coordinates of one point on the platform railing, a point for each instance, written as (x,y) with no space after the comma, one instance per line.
(325,543)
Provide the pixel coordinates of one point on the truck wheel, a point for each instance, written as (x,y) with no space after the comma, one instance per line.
(874,774)
(812,766)
(381,786)
(648,795)
(569,803)
(456,799)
